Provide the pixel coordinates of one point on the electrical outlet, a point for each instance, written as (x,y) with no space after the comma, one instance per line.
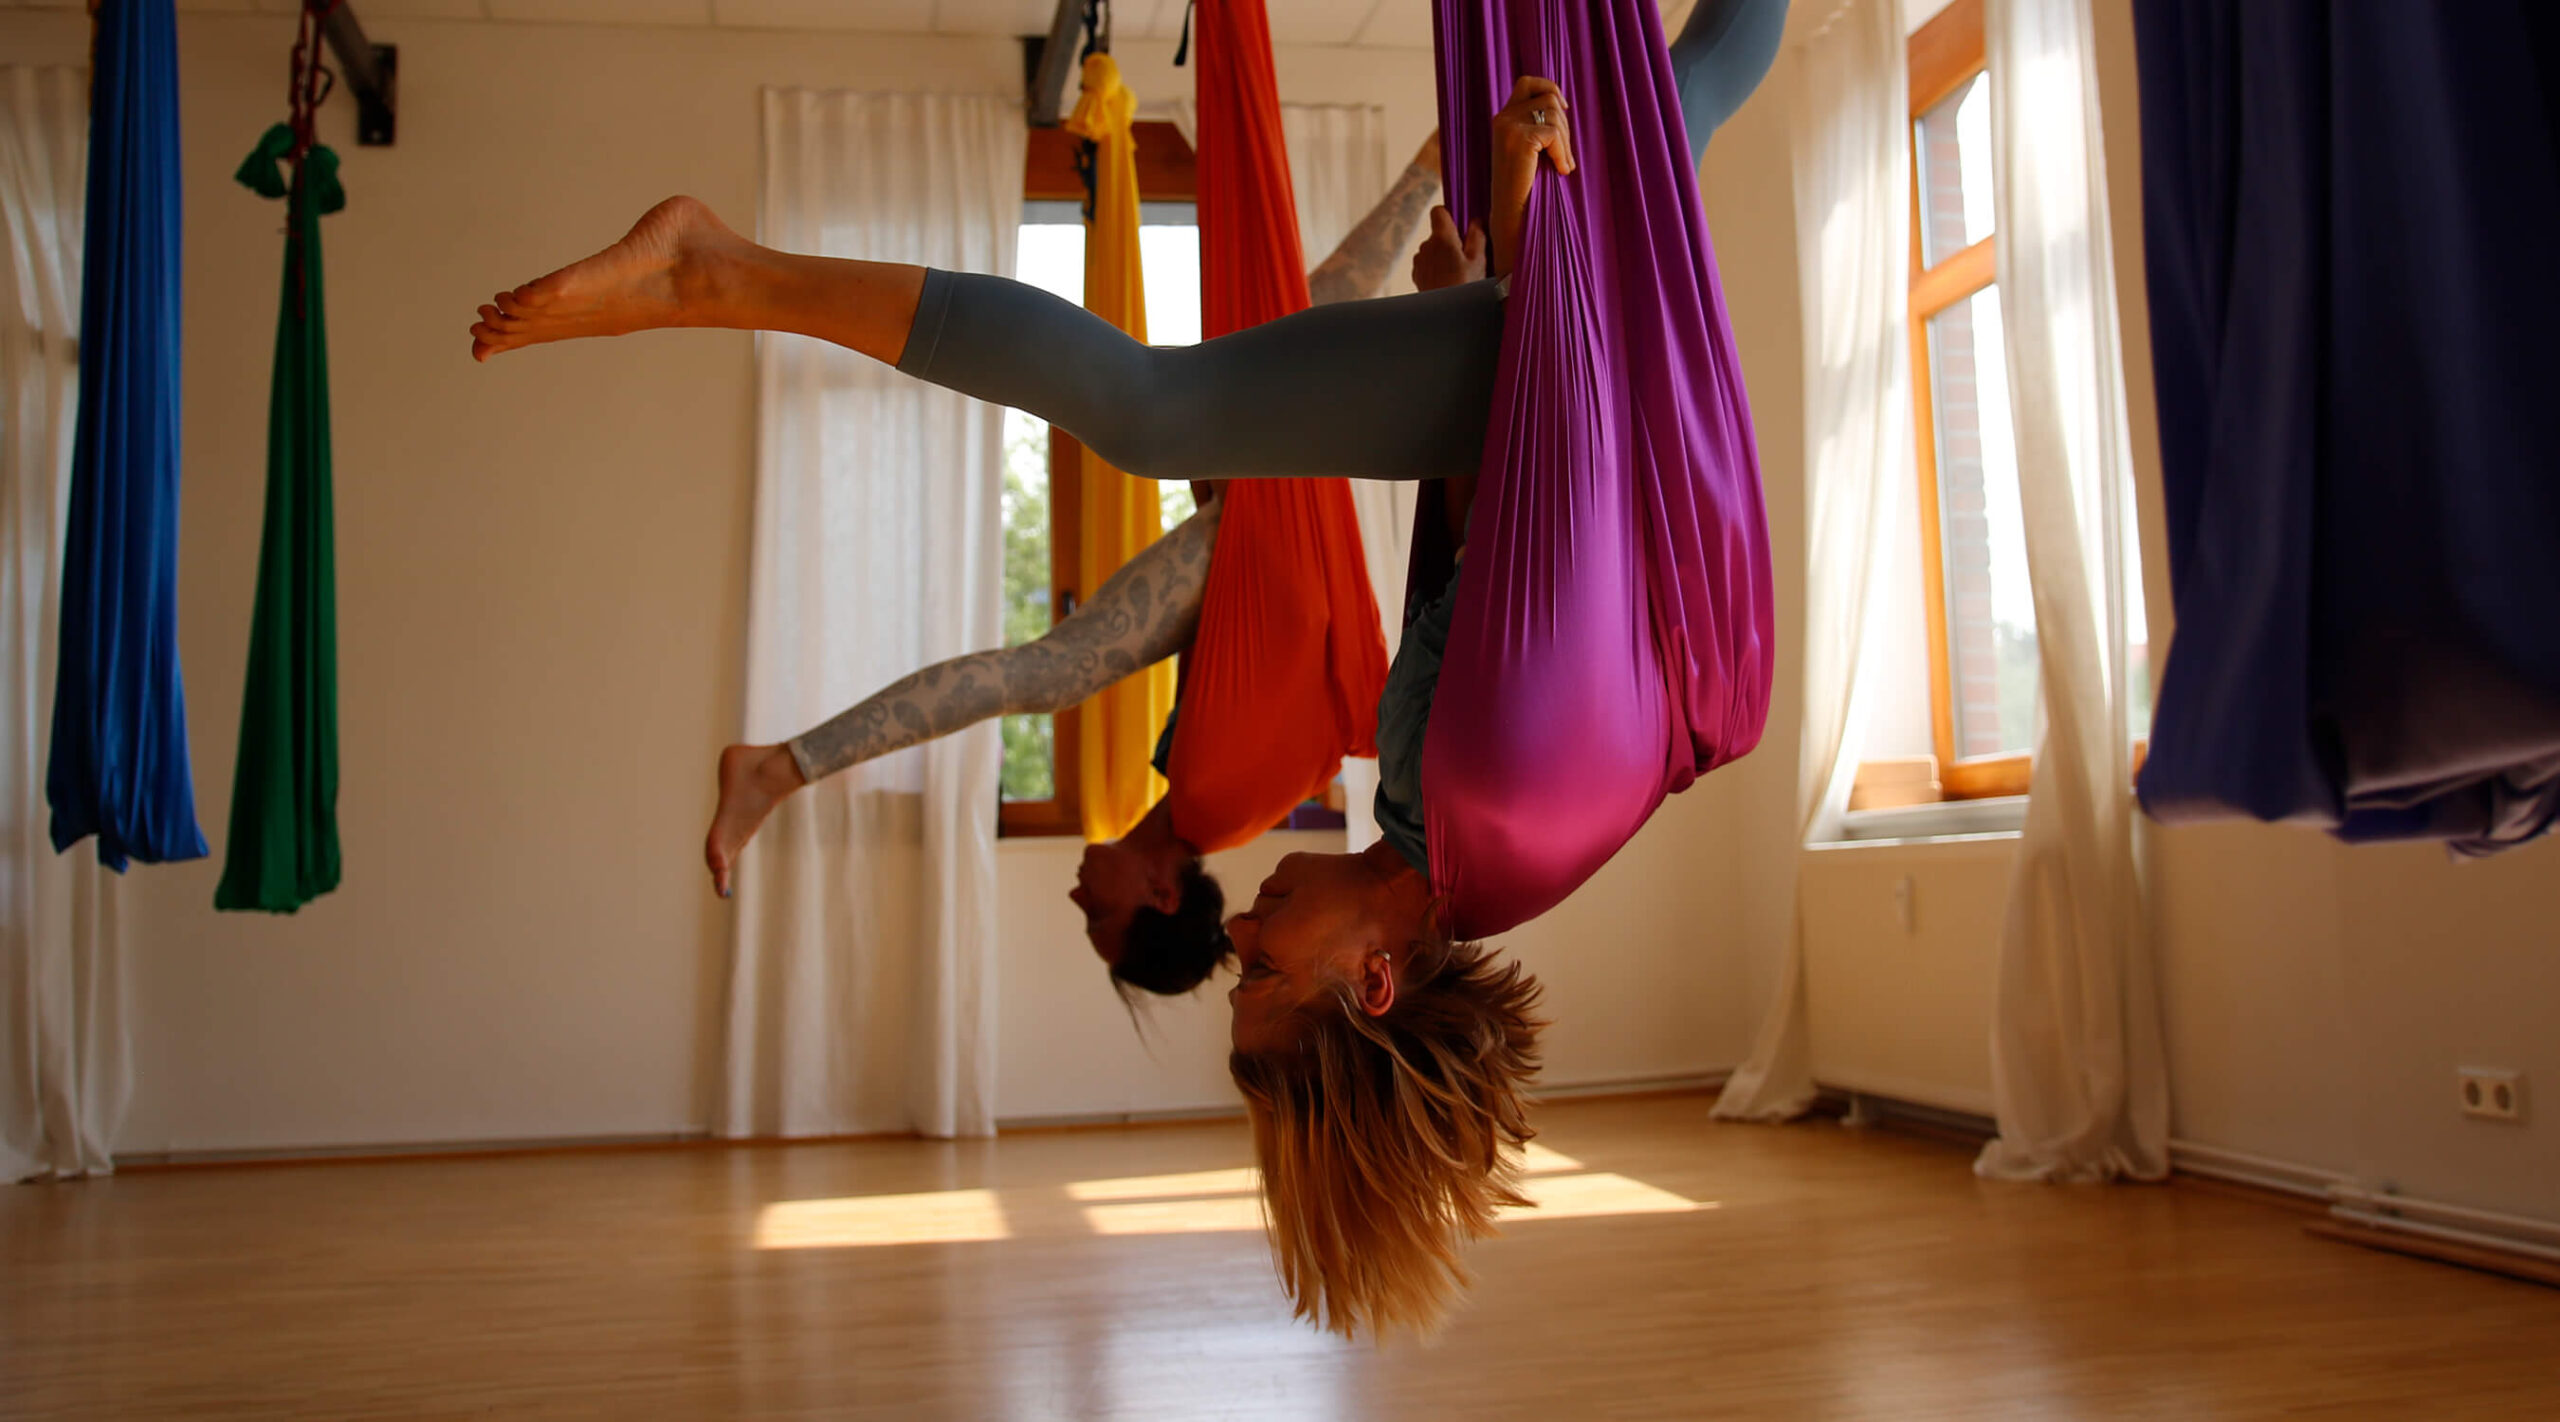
(2491,1093)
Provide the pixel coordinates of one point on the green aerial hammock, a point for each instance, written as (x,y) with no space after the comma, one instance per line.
(284,795)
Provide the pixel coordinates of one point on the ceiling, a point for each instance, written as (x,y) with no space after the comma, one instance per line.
(1385,24)
(1372,24)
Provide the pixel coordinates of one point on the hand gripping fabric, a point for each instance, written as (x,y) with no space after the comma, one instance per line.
(1612,634)
(1284,673)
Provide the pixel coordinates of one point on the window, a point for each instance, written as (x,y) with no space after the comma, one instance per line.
(1041,479)
(1981,612)
(1980,609)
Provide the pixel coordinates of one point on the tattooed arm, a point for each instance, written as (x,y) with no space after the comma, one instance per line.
(1358,268)
(1143,614)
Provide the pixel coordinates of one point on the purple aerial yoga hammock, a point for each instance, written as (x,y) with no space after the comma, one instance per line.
(1611,636)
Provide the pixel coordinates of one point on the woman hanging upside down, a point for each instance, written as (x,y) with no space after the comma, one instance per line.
(1151,912)
(1605,642)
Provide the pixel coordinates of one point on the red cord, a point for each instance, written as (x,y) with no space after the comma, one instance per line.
(311,81)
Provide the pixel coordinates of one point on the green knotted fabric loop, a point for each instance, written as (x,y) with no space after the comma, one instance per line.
(283,849)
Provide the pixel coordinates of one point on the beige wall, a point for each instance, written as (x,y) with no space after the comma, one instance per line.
(541,585)
(2318,998)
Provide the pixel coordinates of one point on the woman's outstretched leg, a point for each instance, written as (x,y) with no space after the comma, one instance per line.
(1395,388)
(680,265)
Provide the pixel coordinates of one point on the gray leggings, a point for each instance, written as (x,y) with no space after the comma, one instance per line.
(1396,388)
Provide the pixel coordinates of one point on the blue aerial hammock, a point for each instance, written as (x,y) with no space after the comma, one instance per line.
(119,761)
(2348,228)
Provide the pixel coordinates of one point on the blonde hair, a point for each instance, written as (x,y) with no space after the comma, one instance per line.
(1387,1143)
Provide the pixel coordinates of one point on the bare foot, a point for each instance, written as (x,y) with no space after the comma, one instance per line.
(753,779)
(667,271)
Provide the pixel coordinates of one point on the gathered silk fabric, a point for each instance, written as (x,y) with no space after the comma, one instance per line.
(1119,512)
(119,768)
(2348,238)
(1611,637)
(1282,679)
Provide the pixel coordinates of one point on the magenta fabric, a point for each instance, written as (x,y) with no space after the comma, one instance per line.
(1612,634)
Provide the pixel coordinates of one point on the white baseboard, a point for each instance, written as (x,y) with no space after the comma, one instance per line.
(2240,1168)
(1568,1091)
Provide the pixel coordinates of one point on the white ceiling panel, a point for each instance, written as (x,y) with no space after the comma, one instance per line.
(882,16)
(1399,24)
(1318,21)
(602,12)
(1152,19)
(419,10)
(992,17)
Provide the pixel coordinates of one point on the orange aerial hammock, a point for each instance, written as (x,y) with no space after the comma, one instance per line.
(1283,677)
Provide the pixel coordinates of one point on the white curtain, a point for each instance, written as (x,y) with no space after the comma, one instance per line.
(1853,257)
(65,1058)
(1338,169)
(2079,1080)
(860,988)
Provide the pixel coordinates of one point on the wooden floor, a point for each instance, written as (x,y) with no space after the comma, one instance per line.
(1684,1269)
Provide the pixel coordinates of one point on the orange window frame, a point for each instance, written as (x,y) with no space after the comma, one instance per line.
(1945,53)
(1166,173)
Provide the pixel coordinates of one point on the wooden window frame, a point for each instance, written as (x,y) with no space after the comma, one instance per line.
(1944,54)
(1166,173)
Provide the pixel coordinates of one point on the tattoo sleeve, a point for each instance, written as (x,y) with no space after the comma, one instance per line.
(1358,269)
(1141,615)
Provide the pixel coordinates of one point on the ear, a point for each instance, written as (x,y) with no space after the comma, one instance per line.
(1377,982)
(1164,890)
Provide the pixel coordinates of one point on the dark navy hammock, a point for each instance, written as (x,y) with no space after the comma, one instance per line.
(2350,220)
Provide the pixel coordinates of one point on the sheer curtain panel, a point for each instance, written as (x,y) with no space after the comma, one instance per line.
(859,986)
(65,1059)
(1338,165)
(2079,1078)
(1853,234)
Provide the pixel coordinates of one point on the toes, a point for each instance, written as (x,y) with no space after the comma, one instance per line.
(541,291)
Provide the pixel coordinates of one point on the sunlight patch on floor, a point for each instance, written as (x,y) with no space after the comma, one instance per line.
(1192,1202)
(1243,1180)
(933,1217)
(1571,1197)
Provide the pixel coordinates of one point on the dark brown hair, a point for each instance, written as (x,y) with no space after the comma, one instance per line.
(1169,954)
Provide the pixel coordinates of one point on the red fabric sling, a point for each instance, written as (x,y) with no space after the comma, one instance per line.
(1282,680)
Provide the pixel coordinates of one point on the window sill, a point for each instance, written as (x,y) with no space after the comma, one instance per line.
(1999,815)
(1312,841)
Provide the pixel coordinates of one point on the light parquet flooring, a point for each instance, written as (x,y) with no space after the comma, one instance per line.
(1688,1270)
